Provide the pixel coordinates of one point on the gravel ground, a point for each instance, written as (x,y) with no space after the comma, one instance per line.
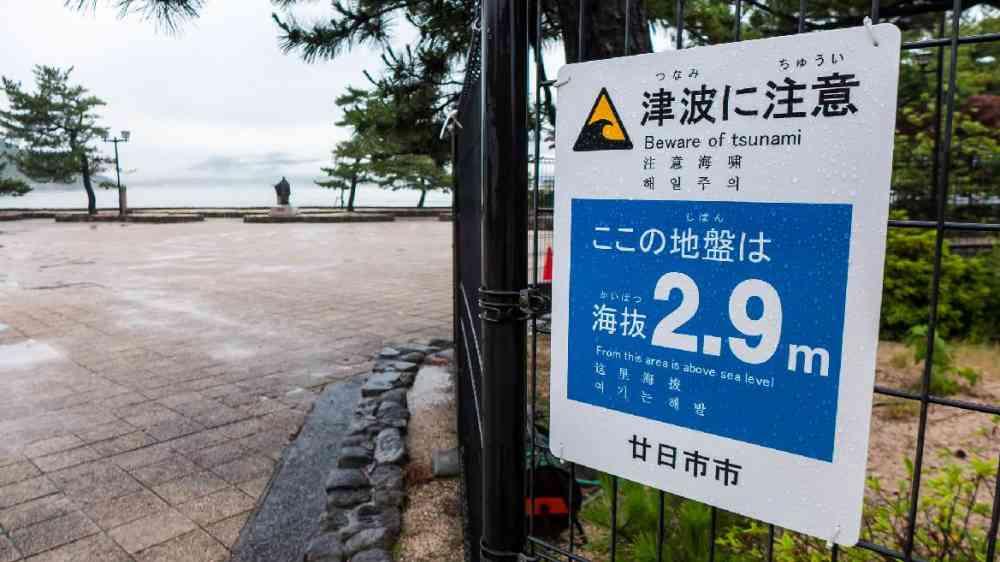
(432,520)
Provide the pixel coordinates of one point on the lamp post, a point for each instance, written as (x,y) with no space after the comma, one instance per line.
(122,196)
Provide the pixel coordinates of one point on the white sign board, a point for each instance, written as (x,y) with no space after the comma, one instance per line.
(720,225)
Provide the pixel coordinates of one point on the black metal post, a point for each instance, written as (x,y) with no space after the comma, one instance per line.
(456,276)
(991,542)
(584,32)
(679,17)
(660,516)
(122,205)
(505,272)
(614,519)
(737,19)
(535,203)
(941,186)
(122,197)
(628,28)
(938,98)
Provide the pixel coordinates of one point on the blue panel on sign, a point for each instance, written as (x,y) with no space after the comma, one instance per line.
(721,317)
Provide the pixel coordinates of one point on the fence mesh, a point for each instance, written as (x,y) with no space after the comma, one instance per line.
(938,189)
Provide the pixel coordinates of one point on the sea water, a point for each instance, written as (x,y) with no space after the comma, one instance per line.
(303,195)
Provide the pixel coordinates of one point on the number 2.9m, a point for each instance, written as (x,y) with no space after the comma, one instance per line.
(767,326)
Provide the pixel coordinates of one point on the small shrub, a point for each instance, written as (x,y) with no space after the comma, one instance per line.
(944,374)
(970,375)
(969,288)
(899,410)
(686,526)
(953,515)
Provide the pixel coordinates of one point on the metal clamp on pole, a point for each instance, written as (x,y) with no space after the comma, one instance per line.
(500,555)
(500,307)
(512,306)
(534,303)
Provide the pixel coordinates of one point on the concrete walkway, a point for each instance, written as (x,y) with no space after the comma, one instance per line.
(151,375)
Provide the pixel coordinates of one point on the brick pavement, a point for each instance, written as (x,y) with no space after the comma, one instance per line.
(151,375)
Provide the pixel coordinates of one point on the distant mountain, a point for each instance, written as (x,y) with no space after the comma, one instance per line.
(10,171)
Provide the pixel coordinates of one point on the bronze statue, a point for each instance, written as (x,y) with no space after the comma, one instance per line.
(284,190)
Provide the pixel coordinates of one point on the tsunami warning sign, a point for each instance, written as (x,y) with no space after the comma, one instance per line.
(718,274)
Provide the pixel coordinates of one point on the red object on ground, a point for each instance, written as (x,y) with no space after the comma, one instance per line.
(547,506)
(547,272)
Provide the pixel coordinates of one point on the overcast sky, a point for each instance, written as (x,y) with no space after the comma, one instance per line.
(216,102)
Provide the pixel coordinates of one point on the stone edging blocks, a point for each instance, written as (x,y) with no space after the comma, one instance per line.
(320,217)
(366,491)
(137,218)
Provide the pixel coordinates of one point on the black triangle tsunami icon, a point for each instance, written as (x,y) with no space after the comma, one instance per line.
(604,128)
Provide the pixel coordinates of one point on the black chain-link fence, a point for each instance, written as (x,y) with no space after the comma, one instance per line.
(554,489)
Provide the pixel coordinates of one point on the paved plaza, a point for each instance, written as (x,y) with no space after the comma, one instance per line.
(151,375)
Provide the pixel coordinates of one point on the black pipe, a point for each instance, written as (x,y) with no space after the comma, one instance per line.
(585,30)
(505,268)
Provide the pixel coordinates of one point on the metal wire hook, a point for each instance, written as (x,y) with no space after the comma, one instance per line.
(450,122)
(871,31)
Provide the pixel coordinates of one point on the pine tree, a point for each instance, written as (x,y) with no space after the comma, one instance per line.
(54,129)
(394,142)
(974,166)
(352,158)
(446,22)
(412,171)
(437,56)
(349,169)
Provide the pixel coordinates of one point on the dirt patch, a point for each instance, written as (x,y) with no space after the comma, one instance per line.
(950,431)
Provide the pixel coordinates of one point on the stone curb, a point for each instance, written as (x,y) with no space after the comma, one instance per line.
(307,217)
(288,513)
(366,491)
(156,219)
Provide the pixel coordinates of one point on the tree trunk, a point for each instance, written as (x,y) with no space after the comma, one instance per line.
(607,29)
(91,198)
(350,199)
(423,196)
